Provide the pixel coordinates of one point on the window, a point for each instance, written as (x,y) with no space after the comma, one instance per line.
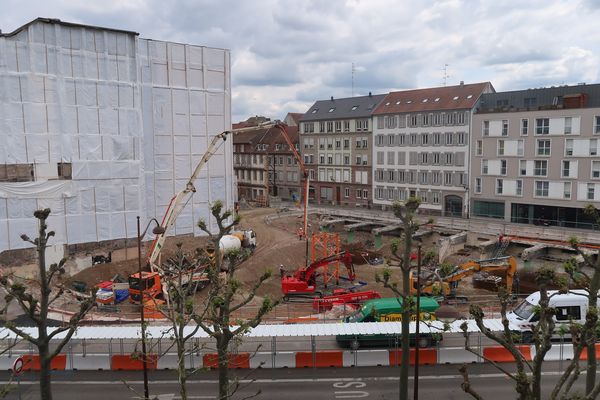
(569,147)
(448,158)
(321,127)
(436,158)
(503,167)
(543,147)
(401,139)
(524,127)
(358,193)
(479,147)
(597,125)
(362,125)
(519,188)
(414,139)
(500,151)
(520,147)
(365,143)
(568,125)
(423,178)
(541,188)
(568,312)
(489,209)
(437,138)
(330,126)
(499,186)
(321,158)
(504,127)
(486,128)
(566,169)
(477,185)
(413,120)
(530,102)
(346,192)
(435,197)
(338,126)
(65,170)
(346,160)
(347,143)
(540,168)
(595,169)
(365,194)
(329,159)
(425,139)
(425,119)
(346,126)
(16,173)
(447,178)
(390,121)
(567,190)
(338,143)
(590,191)
(593,147)
(461,118)
(484,167)
(542,126)
(522,167)
(449,136)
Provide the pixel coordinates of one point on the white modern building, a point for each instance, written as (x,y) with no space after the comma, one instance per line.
(101,126)
(421,147)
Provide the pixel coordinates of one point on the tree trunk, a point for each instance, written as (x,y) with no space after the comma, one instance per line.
(181,371)
(590,379)
(223,354)
(45,383)
(405,316)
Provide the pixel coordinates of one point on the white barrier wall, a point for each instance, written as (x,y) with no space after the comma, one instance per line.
(131,116)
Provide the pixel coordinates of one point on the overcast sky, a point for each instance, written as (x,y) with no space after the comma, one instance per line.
(288,53)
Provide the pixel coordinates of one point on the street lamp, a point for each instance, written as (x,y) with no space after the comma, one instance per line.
(157,231)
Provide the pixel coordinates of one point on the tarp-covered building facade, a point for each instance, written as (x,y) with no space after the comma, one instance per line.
(101,126)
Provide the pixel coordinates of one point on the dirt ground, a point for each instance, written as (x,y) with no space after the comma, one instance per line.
(278,244)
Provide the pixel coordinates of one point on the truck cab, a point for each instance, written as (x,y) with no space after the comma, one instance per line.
(388,310)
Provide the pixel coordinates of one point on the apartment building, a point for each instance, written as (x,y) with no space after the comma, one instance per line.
(265,165)
(421,147)
(535,155)
(336,139)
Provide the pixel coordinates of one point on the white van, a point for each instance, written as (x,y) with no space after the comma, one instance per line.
(569,307)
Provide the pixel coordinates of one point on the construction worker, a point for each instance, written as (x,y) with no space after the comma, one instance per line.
(281,270)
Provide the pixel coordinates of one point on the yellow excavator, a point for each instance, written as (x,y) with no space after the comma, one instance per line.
(437,285)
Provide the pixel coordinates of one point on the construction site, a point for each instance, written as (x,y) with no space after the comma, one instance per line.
(344,254)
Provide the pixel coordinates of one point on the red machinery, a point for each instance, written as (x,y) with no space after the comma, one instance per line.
(304,280)
(342,296)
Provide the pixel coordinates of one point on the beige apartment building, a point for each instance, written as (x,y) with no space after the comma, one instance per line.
(336,139)
(535,155)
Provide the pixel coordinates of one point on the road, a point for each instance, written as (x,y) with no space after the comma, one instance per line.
(290,384)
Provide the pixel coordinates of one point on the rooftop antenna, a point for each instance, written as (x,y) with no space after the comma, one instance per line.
(353,69)
(446,76)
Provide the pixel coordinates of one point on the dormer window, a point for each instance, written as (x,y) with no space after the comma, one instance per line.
(455,98)
(398,102)
(387,104)
(470,96)
(437,99)
(314,111)
(332,109)
(408,101)
(354,108)
(425,100)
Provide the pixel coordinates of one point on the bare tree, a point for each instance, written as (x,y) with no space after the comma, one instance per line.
(37,308)
(225,298)
(401,256)
(180,271)
(527,387)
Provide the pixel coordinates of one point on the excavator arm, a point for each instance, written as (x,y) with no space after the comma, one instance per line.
(507,264)
(345,258)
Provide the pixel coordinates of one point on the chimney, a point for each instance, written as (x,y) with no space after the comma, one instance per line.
(462,83)
(331,98)
(370,95)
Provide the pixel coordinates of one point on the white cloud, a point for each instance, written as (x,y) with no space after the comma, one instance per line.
(286,53)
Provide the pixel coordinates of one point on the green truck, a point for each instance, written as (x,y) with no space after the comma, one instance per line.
(385,310)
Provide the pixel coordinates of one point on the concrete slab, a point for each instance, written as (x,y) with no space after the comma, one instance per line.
(366,358)
(90,362)
(455,355)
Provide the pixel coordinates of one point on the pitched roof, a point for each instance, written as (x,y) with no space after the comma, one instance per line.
(64,23)
(295,116)
(534,99)
(431,99)
(349,107)
(262,135)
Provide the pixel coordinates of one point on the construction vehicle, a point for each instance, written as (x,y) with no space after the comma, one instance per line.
(304,280)
(445,286)
(174,209)
(387,310)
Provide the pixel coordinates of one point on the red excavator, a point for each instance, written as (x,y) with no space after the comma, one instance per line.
(303,283)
